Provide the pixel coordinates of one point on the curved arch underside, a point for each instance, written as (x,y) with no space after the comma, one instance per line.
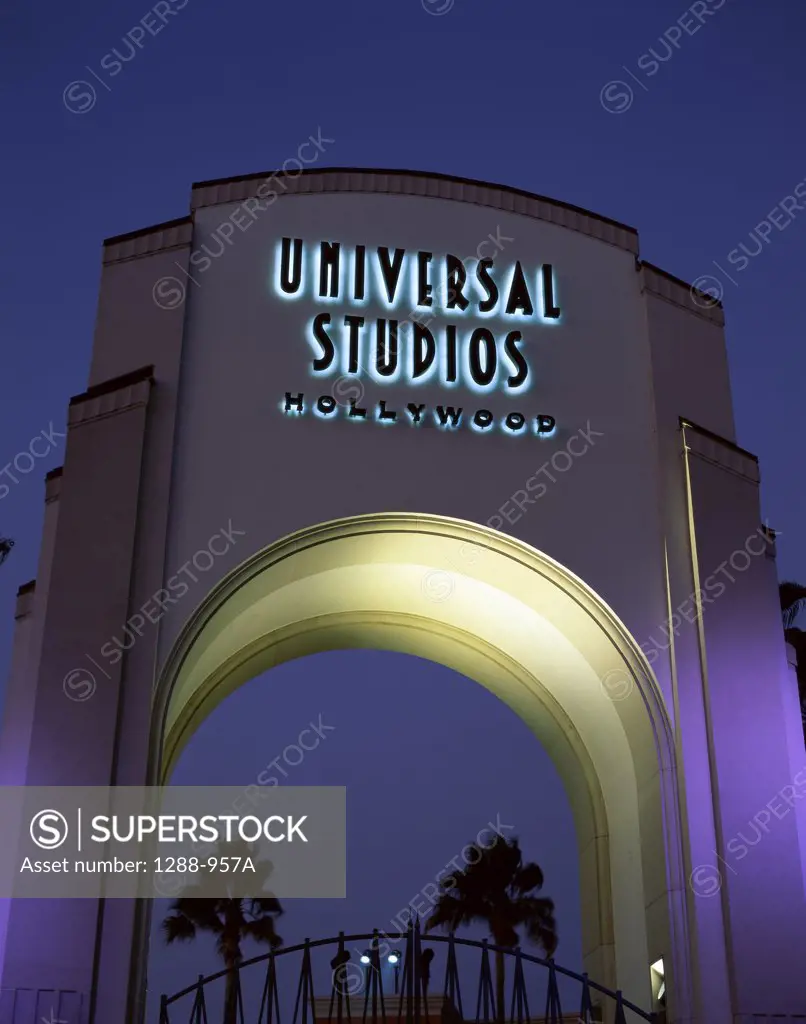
(498,612)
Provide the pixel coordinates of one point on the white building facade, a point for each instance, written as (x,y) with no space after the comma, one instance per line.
(353,408)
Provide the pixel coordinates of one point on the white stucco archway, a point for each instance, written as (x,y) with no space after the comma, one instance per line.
(650,498)
(517,622)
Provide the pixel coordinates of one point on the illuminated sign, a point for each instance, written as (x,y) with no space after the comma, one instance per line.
(425,334)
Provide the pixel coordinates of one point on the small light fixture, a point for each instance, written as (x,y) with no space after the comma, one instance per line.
(658,977)
(393,958)
(365,959)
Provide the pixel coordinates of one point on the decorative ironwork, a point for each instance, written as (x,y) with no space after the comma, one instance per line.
(357,992)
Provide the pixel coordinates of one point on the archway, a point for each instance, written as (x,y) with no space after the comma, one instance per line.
(518,623)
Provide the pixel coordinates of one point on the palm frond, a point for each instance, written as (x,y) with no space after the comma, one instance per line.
(178,928)
(797,637)
(498,889)
(231,919)
(540,923)
(265,905)
(448,913)
(528,878)
(202,913)
(261,930)
(793,601)
(6,544)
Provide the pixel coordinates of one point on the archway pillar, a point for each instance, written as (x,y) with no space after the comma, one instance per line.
(754,872)
(52,945)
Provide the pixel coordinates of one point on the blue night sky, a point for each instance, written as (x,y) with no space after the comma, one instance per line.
(709,142)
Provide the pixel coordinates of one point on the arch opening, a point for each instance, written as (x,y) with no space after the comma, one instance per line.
(516,622)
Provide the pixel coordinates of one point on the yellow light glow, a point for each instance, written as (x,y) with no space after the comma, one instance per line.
(495,610)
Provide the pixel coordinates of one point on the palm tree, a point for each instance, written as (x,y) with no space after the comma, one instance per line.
(231,919)
(498,889)
(793,601)
(6,544)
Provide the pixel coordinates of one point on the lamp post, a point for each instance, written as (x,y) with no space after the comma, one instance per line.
(366,960)
(394,960)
